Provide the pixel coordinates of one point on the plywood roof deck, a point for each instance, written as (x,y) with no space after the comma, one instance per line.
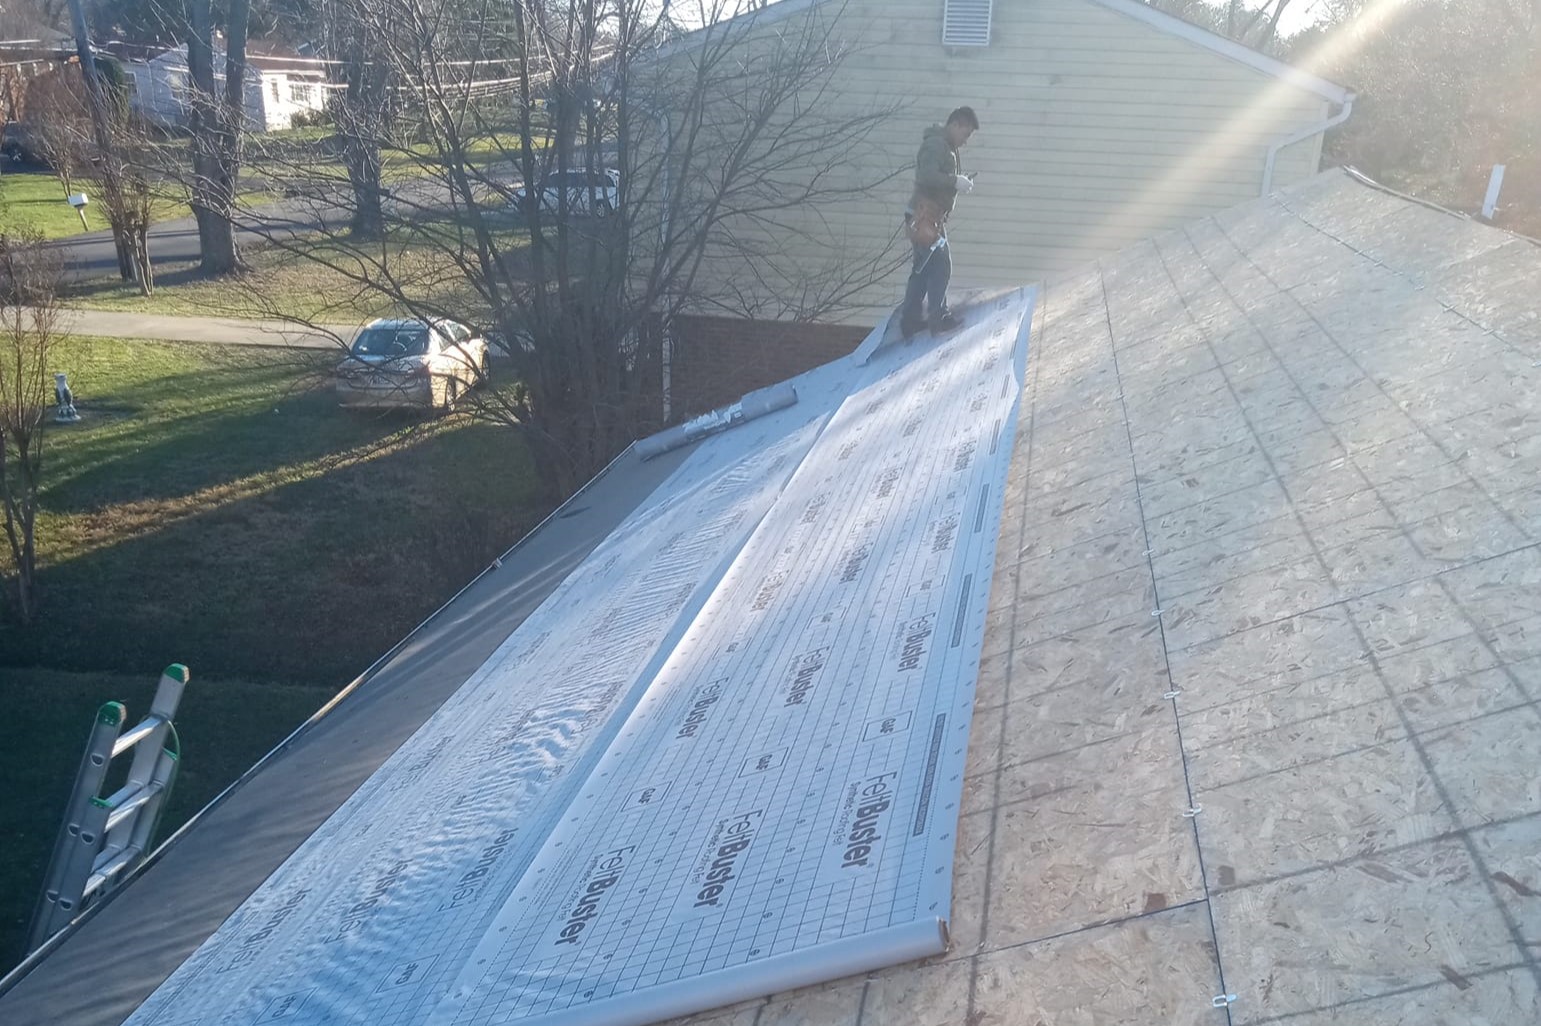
(1307,432)
(1258,714)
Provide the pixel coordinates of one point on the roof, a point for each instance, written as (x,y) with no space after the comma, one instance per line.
(1260,660)
(1155,18)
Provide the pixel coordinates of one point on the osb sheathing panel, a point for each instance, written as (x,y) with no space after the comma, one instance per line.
(1268,591)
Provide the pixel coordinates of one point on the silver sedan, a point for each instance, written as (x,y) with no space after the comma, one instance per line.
(412,363)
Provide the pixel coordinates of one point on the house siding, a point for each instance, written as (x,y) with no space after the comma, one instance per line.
(161,84)
(1098,131)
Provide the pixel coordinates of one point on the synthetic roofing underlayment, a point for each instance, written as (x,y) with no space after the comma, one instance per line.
(1256,730)
(723,759)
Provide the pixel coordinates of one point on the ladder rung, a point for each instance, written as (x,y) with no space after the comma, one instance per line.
(135,734)
(123,805)
(111,868)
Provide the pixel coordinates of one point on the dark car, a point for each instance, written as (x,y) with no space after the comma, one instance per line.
(19,146)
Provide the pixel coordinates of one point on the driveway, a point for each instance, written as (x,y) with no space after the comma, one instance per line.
(216,330)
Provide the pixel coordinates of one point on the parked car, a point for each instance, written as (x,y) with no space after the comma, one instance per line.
(410,363)
(588,192)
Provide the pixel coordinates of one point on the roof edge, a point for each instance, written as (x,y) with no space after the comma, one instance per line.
(1159,20)
(1460,215)
(767,15)
(1238,52)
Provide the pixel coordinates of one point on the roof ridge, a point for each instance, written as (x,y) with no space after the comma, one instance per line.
(1159,20)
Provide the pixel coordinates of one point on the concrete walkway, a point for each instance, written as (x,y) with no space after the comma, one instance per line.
(218,330)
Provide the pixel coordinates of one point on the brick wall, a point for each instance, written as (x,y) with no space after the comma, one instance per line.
(718,359)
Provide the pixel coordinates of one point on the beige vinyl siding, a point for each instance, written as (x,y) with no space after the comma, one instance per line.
(1098,131)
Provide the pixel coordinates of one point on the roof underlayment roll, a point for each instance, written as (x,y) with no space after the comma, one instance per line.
(723,759)
(752,406)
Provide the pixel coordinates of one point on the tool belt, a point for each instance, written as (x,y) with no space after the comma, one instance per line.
(924,222)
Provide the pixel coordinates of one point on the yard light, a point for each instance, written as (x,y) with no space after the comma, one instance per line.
(66,414)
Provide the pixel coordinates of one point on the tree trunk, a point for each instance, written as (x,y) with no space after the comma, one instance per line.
(216,125)
(26,577)
(96,100)
(125,251)
(361,141)
(144,274)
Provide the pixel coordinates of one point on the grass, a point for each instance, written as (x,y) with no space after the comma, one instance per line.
(215,507)
(304,155)
(285,283)
(35,202)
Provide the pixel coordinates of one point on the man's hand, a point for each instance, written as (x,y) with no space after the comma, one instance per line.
(963,183)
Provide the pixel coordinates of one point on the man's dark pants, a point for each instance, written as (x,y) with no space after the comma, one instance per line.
(929,276)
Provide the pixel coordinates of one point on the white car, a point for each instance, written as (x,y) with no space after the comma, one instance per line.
(588,192)
(418,364)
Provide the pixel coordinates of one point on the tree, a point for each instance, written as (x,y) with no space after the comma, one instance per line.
(115,156)
(361,110)
(103,91)
(1254,23)
(59,121)
(125,176)
(1446,90)
(29,320)
(217,123)
(726,146)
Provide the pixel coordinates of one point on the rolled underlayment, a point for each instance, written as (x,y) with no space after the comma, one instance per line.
(723,759)
(752,406)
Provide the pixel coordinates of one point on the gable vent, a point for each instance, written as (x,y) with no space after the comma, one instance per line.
(966,23)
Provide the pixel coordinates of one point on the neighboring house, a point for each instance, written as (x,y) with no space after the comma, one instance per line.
(276,89)
(1104,122)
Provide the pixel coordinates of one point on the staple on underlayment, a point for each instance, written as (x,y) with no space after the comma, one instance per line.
(1155,612)
(1172,694)
(1192,810)
(1222,1000)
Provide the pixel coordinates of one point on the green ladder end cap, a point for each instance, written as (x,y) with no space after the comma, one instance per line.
(176,671)
(111,713)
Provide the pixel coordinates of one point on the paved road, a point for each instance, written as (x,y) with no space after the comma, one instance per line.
(91,255)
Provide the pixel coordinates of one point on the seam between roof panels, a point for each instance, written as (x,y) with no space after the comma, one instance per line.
(1426,762)
(1166,659)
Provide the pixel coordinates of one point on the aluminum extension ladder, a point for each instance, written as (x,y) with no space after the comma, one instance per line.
(103,837)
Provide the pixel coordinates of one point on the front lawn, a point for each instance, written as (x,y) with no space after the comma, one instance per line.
(34,202)
(215,507)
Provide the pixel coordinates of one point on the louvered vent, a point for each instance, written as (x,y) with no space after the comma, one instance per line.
(966,23)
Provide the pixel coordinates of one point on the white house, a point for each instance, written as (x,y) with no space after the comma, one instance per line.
(275,90)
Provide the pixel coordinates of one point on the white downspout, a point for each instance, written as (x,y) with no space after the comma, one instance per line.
(1300,136)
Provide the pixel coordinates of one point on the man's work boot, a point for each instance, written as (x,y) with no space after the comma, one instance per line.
(945,322)
(910,324)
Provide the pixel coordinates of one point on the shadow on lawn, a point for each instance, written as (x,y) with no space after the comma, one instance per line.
(108,460)
(306,582)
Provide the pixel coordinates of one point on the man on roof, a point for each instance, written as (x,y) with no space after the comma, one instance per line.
(939,179)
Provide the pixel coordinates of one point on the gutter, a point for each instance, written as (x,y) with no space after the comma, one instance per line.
(1305,133)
